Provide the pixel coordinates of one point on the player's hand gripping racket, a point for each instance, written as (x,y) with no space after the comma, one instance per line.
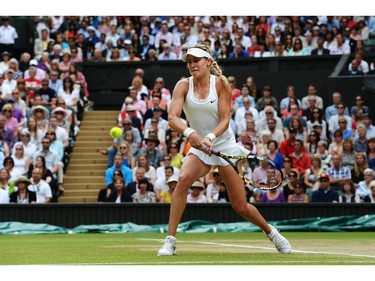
(270,176)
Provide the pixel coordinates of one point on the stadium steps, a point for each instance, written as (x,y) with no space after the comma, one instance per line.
(85,174)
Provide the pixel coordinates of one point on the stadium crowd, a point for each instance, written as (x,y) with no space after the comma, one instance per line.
(326,150)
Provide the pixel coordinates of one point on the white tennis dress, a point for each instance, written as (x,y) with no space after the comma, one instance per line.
(203,117)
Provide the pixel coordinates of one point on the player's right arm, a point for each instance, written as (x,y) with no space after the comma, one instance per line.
(176,106)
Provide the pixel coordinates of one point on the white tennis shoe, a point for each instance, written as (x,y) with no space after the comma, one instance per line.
(169,247)
(280,242)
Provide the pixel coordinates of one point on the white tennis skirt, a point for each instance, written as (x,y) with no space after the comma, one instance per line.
(212,160)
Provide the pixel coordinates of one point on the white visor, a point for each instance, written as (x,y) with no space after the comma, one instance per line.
(196,52)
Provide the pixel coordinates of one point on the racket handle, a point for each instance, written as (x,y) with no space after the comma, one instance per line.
(215,152)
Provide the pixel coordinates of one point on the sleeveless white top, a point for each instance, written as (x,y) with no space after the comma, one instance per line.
(203,116)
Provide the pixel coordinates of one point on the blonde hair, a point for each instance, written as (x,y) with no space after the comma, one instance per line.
(358,169)
(128,152)
(215,68)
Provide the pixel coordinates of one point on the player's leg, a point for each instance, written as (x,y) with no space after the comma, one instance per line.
(237,196)
(191,170)
(236,192)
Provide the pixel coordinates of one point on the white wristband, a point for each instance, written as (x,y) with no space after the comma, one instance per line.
(188,131)
(211,136)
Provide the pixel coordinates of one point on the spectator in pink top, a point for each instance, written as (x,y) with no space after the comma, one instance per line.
(196,196)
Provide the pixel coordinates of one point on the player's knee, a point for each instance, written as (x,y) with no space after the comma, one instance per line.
(241,208)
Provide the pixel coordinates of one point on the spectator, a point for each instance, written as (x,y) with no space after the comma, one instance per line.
(120,194)
(312,143)
(196,196)
(239,52)
(172,137)
(36,134)
(299,195)
(213,188)
(176,156)
(363,187)
(273,153)
(58,122)
(8,35)
(29,148)
(358,111)
(348,153)
(80,77)
(165,93)
(143,160)
(335,147)
(245,93)
(51,156)
(134,185)
(298,49)
(370,128)
(125,152)
(48,94)
(269,113)
(23,195)
(267,93)
(40,114)
(301,160)
(291,94)
(8,136)
(322,152)
(157,115)
(325,193)
(21,160)
(40,187)
(161,183)
(138,103)
(275,133)
(14,65)
(371,198)
(360,164)
(348,193)
(118,165)
(360,140)
(370,153)
(333,122)
(312,174)
(353,69)
(317,124)
(311,91)
(241,112)
(166,196)
(55,82)
(47,176)
(341,48)
(70,95)
(167,54)
(14,174)
(359,64)
(11,123)
(273,195)
(262,51)
(332,109)
(320,49)
(338,173)
(144,195)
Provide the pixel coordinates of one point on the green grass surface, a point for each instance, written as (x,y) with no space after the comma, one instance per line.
(317,248)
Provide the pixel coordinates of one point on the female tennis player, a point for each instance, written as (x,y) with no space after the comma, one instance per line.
(206,100)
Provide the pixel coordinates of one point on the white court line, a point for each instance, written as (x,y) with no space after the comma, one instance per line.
(266,248)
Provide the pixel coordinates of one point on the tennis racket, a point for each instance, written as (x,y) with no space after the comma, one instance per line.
(265,174)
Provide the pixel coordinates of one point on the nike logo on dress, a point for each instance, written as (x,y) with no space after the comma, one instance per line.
(212,101)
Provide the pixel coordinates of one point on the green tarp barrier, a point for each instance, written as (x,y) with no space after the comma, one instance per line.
(333,224)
